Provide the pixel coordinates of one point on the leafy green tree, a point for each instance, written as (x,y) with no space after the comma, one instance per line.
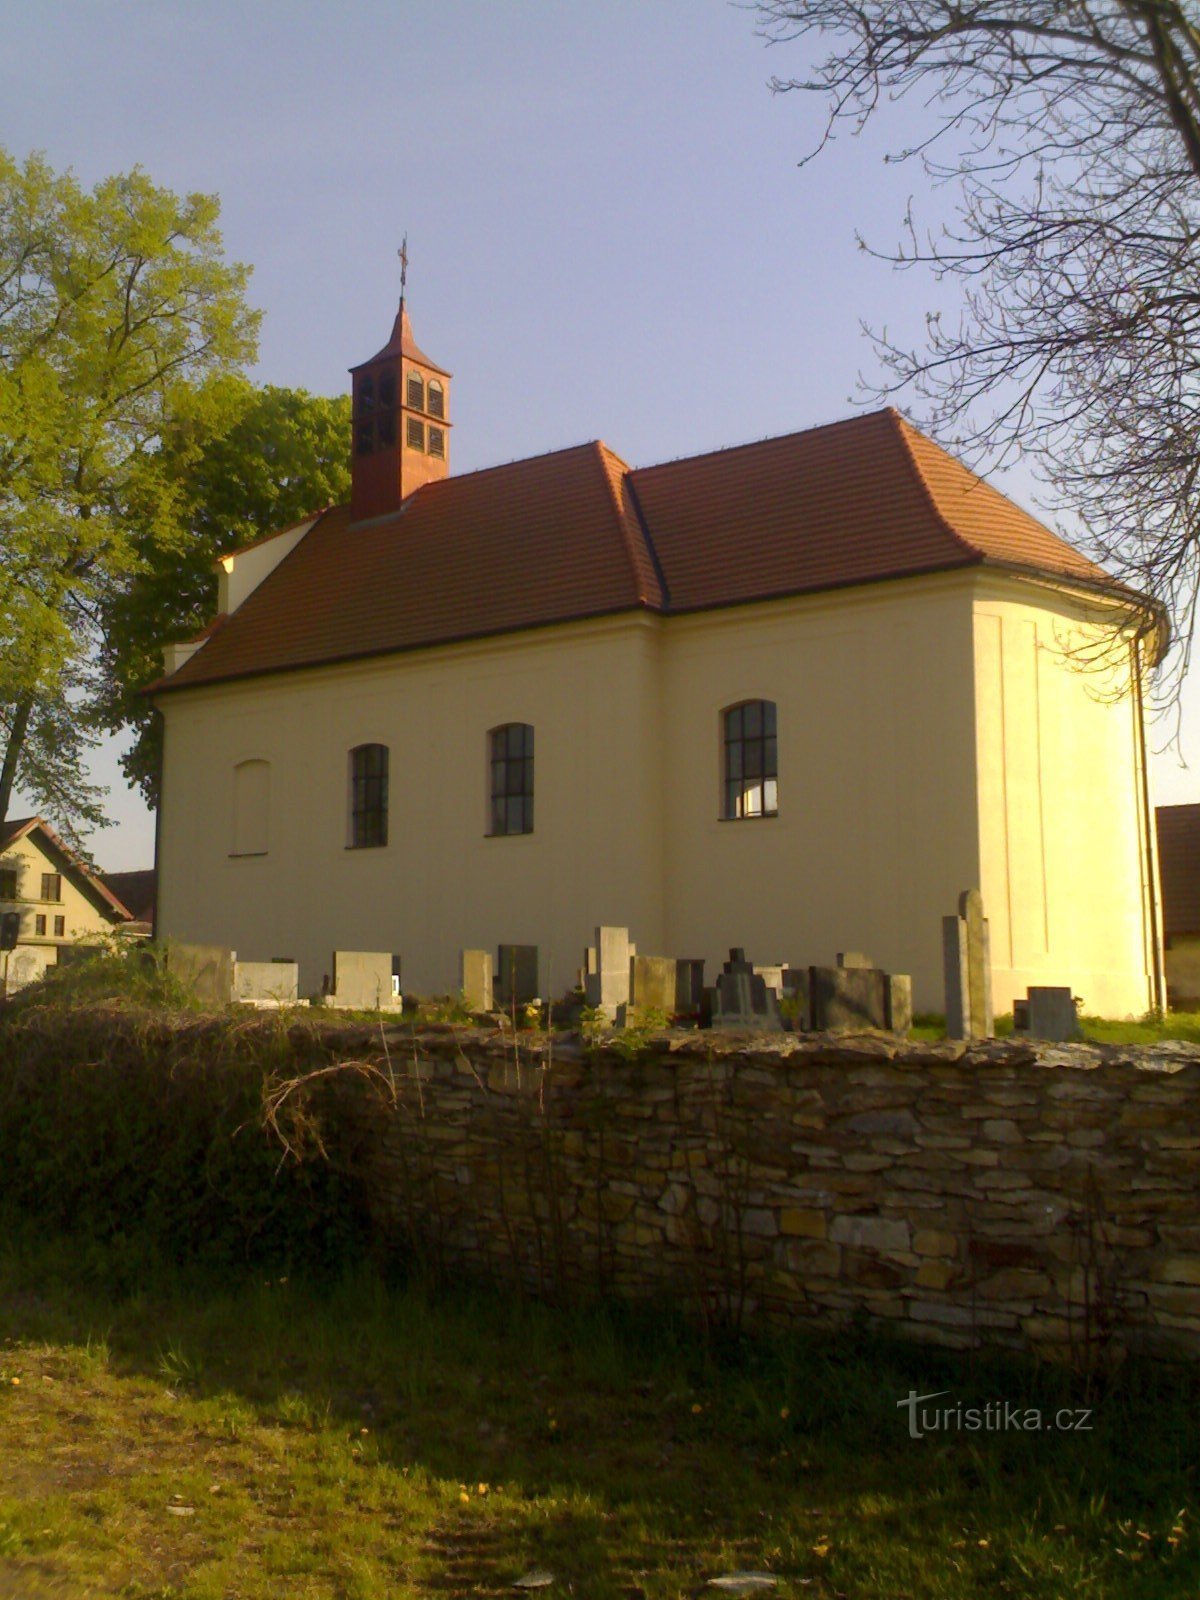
(117,312)
(282,454)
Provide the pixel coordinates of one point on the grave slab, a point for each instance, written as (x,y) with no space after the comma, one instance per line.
(475,979)
(206,969)
(362,981)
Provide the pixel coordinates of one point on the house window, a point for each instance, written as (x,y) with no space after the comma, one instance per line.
(60,927)
(39,925)
(751,766)
(436,405)
(368,796)
(416,434)
(51,885)
(8,883)
(437,441)
(512,778)
(251,808)
(416,391)
(364,421)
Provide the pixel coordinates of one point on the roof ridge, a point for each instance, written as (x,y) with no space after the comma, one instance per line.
(502,466)
(767,438)
(903,430)
(630,537)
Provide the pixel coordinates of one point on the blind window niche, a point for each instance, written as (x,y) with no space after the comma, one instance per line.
(251,808)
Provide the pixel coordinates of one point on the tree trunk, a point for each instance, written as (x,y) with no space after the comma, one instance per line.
(12,753)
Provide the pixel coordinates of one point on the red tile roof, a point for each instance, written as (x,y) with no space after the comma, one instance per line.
(1179,867)
(578,534)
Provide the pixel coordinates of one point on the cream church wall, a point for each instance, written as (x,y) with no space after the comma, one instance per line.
(887,697)
(440,883)
(876,831)
(1062,828)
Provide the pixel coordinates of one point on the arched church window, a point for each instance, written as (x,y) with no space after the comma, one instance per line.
(251,808)
(751,767)
(416,391)
(436,405)
(511,751)
(368,796)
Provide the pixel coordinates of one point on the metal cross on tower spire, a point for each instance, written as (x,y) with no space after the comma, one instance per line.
(403,254)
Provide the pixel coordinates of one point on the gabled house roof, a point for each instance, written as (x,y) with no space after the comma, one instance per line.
(1179,867)
(82,875)
(578,534)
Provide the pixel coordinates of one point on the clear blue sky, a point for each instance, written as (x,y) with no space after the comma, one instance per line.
(609,232)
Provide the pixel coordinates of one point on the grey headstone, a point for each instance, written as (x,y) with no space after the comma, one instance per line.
(653,983)
(979,966)
(206,969)
(266,982)
(853,958)
(744,1001)
(608,973)
(475,979)
(689,986)
(1052,1014)
(954,966)
(845,998)
(797,997)
(362,981)
(899,1002)
(516,975)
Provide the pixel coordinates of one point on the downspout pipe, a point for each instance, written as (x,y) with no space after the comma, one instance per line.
(1148,818)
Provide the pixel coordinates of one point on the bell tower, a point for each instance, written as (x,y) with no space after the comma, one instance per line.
(401,420)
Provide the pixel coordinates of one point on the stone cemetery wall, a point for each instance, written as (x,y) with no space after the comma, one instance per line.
(1009,1193)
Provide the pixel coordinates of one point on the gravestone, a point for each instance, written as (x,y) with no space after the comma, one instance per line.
(653,983)
(899,1002)
(1051,1013)
(797,999)
(266,983)
(847,998)
(689,987)
(772,976)
(206,969)
(853,958)
(608,971)
(741,998)
(475,979)
(362,981)
(516,975)
(967,966)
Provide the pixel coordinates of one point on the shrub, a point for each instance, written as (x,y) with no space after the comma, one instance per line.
(144,1134)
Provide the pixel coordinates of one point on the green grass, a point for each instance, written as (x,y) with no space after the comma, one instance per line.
(1150,1029)
(275,1438)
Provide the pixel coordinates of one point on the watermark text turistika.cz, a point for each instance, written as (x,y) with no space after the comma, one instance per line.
(997,1416)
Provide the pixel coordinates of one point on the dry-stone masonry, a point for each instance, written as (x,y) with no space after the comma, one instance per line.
(1003,1192)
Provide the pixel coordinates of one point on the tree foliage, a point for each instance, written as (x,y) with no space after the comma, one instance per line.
(281,454)
(1069,133)
(117,310)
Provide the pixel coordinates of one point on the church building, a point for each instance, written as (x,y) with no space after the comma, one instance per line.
(793,695)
